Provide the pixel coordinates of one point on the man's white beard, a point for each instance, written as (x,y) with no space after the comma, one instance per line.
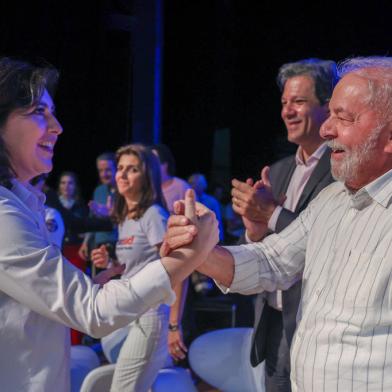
(348,169)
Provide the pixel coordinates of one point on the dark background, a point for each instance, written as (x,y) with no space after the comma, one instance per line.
(220,63)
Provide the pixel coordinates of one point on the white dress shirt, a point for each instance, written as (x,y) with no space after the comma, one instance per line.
(342,244)
(42,294)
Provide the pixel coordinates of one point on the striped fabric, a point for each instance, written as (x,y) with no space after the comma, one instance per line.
(342,243)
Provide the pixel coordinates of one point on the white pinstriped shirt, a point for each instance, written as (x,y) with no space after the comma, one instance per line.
(342,243)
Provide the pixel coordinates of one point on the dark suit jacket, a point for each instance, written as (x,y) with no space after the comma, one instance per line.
(280,175)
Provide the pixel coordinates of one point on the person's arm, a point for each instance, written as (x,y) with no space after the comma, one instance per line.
(276,263)
(219,266)
(35,274)
(176,346)
(284,218)
(83,250)
(153,224)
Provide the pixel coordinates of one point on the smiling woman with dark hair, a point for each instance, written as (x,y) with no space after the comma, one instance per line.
(23,86)
(41,293)
(140,211)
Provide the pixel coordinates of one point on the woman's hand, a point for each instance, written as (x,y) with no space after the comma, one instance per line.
(100,257)
(83,251)
(176,346)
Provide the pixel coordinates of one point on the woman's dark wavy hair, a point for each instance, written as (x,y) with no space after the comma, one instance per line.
(151,192)
(21,86)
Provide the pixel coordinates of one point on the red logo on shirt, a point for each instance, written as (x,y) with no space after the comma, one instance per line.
(126,241)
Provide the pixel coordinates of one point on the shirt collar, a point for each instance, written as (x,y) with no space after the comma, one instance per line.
(316,156)
(29,195)
(379,190)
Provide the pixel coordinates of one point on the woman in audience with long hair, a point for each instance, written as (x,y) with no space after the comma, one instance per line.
(140,212)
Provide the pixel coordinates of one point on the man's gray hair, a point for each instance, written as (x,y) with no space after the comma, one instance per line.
(378,73)
(107,156)
(323,73)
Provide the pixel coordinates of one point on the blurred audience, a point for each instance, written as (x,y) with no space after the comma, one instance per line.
(101,206)
(173,187)
(70,201)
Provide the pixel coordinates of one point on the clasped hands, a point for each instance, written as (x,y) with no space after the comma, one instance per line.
(193,227)
(191,234)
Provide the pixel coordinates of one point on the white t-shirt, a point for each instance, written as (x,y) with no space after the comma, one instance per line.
(138,239)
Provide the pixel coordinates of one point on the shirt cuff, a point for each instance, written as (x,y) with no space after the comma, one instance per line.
(274,218)
(152,285)
(244,274)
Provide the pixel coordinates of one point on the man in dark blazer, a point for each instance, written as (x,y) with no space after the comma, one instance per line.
(273,202)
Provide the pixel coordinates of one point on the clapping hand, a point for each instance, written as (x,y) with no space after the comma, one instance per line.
(255,203)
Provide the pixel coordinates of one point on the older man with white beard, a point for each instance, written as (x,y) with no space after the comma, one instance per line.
(346,170)
(341,244)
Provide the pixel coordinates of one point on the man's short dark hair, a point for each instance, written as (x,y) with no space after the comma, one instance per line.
(323,73)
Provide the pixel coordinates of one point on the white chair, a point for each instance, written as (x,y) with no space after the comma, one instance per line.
(174,379)
(222,359)
(83,360)
(99,379)
(168,380)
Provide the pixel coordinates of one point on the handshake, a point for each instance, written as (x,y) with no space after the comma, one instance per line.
(192,234)
(193,227)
